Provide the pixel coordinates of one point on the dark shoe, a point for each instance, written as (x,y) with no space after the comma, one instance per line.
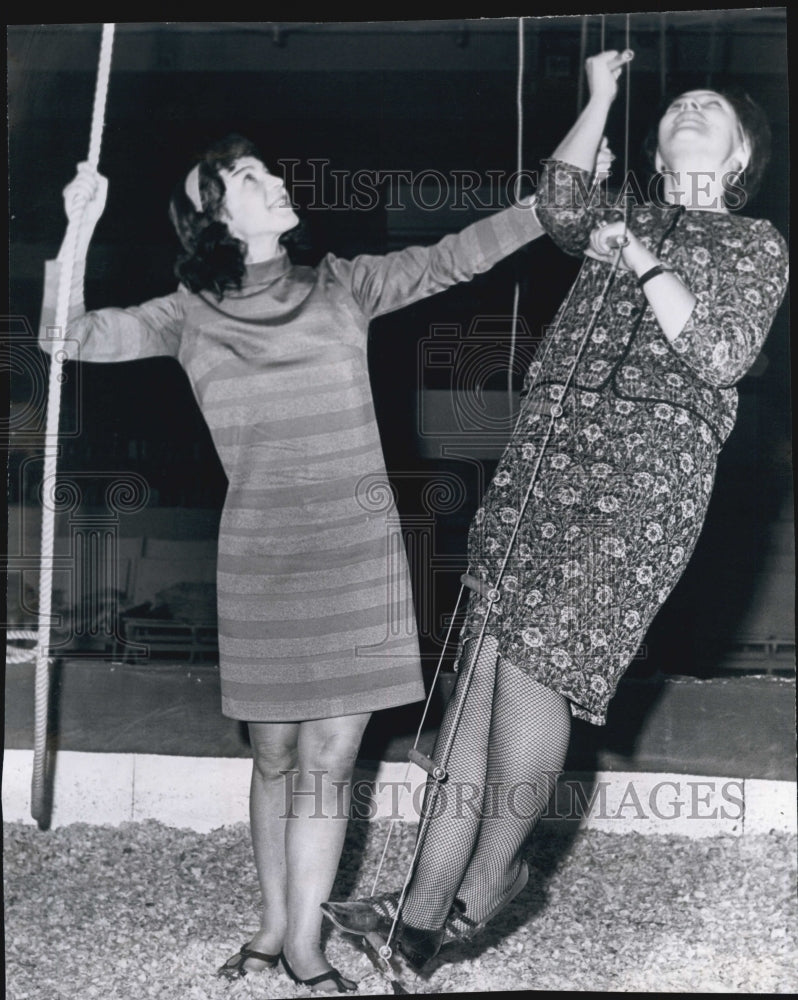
(460,927)
(233,968)
(419,945)
(376,915)
(342,985)
(364,916)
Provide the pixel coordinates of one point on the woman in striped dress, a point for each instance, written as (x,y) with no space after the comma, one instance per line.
(316,623)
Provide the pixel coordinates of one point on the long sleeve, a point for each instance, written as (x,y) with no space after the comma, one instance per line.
(106,335)
(737,297)
(568,208)
(381,284)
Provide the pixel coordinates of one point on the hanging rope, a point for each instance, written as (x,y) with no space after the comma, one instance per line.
(712,56)
(415,755)
(418,735)
(513,333)
(57,359)
(580,87)
(626,117)
(437,770)
(519,166)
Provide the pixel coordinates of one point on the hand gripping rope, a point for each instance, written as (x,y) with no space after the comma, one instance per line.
(437,770)
(41,651)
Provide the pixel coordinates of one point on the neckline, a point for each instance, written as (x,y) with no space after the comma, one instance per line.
(267,270)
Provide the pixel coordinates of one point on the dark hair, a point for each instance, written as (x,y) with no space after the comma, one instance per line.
(213,259)
(753,123)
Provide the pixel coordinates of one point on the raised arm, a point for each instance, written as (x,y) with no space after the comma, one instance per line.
(581,143)
(566,207)
(381,284)
(107,334)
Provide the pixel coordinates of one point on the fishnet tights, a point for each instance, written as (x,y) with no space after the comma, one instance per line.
(509,747)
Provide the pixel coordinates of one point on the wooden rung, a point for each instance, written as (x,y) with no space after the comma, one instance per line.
(427,764)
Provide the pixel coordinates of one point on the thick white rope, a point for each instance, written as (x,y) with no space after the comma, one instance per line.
(57,359)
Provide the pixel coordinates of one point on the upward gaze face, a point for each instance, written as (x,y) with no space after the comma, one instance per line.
(703,125)
(256,203)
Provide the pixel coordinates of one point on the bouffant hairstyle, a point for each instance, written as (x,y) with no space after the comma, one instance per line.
(212,258)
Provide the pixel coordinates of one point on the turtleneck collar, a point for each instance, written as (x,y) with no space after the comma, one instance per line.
(265,271)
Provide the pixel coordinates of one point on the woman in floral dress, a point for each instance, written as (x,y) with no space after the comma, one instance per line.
(599,499)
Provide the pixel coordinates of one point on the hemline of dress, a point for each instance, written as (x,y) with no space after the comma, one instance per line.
(595,718)
(407,694)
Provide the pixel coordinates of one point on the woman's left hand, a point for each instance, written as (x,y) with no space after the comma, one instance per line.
(608,237)
(602,71)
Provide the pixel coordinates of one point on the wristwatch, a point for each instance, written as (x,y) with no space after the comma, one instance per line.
(660,268)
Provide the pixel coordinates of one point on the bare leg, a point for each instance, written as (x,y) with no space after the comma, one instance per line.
(318,811)
(274,749)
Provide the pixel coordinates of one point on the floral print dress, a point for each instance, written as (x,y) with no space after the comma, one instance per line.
(598,501)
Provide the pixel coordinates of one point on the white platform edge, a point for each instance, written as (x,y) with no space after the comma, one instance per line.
(204,793)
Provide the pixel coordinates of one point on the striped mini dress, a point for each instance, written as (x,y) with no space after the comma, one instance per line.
(315,609)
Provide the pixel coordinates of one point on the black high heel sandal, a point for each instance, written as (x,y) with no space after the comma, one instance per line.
(233,968)
(342,984)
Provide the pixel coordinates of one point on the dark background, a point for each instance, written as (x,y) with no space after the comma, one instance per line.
(412,96)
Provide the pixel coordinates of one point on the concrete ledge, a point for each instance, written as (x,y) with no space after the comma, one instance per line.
(203,793)
(743,726)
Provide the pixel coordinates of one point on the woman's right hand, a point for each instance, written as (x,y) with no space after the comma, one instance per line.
(603,71)
(604,161)
(84,198)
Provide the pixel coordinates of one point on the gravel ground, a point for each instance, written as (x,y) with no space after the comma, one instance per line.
(146,911)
